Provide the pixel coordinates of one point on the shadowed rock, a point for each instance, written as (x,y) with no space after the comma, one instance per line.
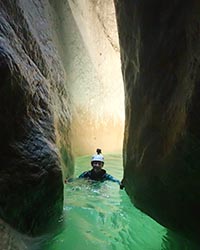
(9,239)
(160,63)
(33,116)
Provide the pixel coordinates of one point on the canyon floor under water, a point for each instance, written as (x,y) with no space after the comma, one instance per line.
(100,216)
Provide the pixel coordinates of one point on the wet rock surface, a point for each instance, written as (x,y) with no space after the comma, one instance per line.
(160,64)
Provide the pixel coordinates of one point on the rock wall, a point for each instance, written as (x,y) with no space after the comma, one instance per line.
(34,117)
(160,51)
(89,47)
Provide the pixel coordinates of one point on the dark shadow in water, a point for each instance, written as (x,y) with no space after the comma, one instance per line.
(173,241)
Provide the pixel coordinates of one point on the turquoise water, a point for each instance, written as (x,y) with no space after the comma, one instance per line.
(100,216)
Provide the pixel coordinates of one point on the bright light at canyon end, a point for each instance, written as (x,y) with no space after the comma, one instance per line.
(93,68)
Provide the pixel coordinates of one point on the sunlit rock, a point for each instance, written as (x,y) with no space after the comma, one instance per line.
(160,64)
(89,48)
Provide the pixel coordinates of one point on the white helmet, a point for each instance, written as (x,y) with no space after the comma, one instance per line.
(98,157)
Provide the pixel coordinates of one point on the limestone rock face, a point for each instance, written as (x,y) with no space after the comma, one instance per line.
(34,117)
(89,48)
(161,65)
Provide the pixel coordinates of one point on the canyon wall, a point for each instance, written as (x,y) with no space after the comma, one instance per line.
(34,118)
(89,48)
(160,51)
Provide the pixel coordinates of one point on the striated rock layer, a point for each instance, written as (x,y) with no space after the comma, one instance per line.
(160,63)
(34,117)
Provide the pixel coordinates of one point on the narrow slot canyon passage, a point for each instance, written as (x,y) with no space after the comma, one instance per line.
(102,216)
(118,75)
(91,57)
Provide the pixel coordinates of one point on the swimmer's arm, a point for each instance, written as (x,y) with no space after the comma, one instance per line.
(67,180)
(84,175)
(111,178)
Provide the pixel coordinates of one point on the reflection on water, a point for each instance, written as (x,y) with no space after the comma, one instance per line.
(100,216)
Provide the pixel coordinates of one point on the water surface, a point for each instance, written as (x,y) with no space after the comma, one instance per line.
(100,216)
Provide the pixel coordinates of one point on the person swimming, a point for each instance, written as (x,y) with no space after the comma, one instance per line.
(97,173)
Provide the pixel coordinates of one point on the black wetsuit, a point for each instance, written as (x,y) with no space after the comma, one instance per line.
(98,176)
